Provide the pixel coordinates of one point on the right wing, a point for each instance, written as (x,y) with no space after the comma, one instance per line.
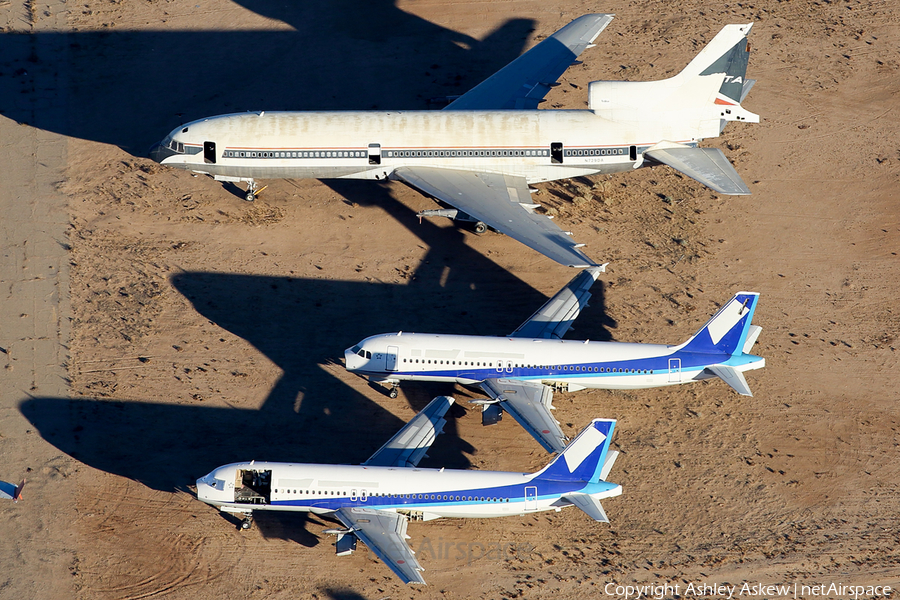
(709,166)
(529,403)
(385,534)
(556,316)
(410,444)
(500,201)
(524,82)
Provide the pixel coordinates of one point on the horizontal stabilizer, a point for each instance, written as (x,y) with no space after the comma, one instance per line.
(707,165)
(608,465)
(589,505)
(732,377)
(752,334)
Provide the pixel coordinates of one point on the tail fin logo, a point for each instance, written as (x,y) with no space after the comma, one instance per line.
(727,318)
(580,449)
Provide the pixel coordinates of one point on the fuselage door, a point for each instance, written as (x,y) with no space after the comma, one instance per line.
(674,370)
(374,154)
(390,358)
(531,497)
(556,153)
(209,152)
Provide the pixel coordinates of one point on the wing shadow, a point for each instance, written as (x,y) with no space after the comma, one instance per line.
(130,88)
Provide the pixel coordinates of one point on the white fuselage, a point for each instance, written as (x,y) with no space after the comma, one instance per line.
(539,145)
(576,364)
(421,493)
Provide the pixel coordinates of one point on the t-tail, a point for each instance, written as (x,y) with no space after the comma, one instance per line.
(697,103)
(587,460)
(730,332)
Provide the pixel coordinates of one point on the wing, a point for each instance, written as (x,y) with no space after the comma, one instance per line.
(500,201)
(385,534)
(709,166)
(530,404)
(411,443)
(554,318)
(524,82)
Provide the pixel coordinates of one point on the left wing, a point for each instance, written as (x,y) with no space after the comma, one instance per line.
(555,317)
(500,201)
(385,534)
(529,403)
(410,444)
(524,82)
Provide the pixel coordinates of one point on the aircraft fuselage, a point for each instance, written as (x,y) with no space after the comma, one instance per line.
(420,493)
(576,364)
(539,145)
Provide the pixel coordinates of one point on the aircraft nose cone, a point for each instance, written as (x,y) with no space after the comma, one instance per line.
(351,360)
(159,153)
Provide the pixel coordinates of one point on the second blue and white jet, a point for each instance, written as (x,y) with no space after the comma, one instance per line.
(520,371)
(375,501)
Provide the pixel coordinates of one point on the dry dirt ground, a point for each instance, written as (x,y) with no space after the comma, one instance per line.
(205,329)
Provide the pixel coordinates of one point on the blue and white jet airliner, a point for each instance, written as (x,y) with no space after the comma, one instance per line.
(520,371)
(376,500)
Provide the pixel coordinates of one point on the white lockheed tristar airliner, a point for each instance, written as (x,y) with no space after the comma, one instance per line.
(375,500)
(481,152)
(520,371)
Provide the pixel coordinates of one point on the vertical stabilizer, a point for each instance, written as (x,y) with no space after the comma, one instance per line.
(584,457)
(727,331)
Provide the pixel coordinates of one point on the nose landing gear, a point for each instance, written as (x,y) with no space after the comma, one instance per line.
(252,192)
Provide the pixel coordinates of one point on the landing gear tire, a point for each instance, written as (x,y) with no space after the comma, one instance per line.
(250,197)
(247,523)
(251,191)
(480,227)
(393,393)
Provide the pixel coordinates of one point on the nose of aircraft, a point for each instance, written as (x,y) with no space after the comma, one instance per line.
(159,153)
(352,362)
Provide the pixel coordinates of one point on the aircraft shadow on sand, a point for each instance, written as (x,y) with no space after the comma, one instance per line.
(290,320)
(130,88)
(303,326)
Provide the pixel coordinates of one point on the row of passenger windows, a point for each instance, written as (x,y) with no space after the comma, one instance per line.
(450,497)
(517,365)
(408,153)
(296,154)
(596,152)
(474,153)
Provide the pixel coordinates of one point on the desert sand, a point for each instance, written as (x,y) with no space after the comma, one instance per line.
(156,325)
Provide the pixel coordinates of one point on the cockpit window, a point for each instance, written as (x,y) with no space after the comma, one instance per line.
(355,349)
